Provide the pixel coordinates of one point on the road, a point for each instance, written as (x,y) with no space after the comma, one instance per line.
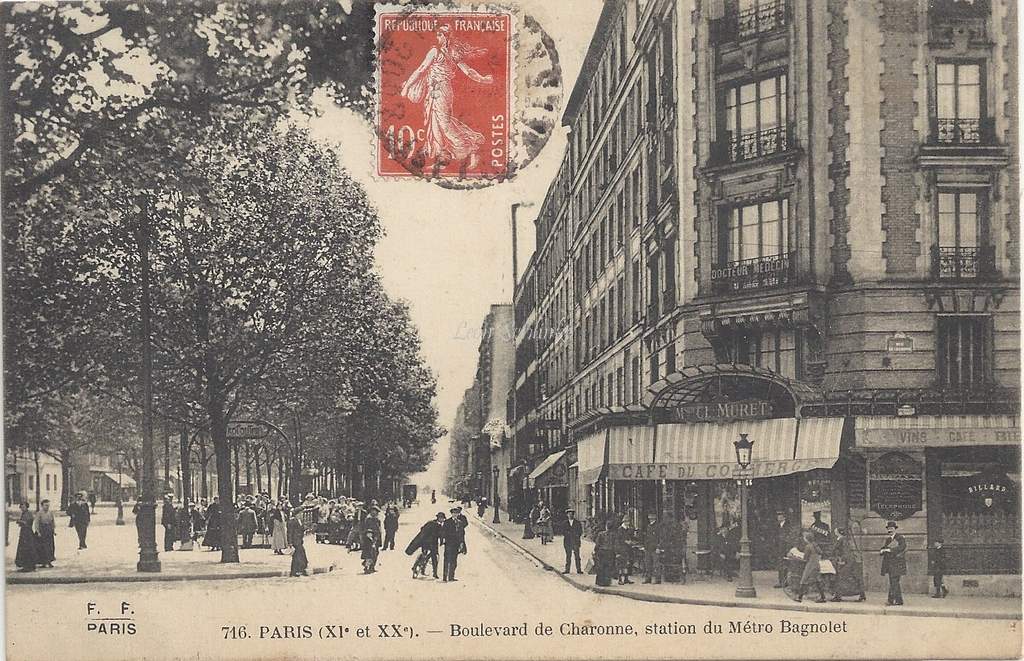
(285,618)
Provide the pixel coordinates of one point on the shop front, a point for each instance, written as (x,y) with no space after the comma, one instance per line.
(953,478)
(550,482)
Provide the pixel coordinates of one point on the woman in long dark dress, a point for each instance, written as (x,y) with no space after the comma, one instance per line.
(212,538)
(26,556)
(45,530)
(531,521)
(604,556)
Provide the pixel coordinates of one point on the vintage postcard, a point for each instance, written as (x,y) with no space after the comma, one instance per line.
(593,329)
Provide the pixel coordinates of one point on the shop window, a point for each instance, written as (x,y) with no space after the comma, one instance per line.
(962,350)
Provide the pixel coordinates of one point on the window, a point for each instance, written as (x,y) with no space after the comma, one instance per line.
(634,373)
(958,96)
(960,250)
(670,358)
(755,118)
(621,312)
(962,356)
(47,481)
(31,482)
(654,367)
(758,230)
(637,284)
(612,325)
(619,385)
(622,218)
(772,349)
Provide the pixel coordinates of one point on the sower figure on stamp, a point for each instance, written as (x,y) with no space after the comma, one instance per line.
(894,563)
(78,512)
(571,540)
(448,138)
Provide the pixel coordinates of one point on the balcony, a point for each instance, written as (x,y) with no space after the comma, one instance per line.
(739,24)
(731,148)
(963,131)
(961,263)
(753,274)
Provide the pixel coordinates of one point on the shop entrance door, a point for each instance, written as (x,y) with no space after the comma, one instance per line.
(767,497)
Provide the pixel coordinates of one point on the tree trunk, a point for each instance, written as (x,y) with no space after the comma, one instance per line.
(67,480)
(225,487)
(185,469)
(203,458)
(237,469)
(39,490)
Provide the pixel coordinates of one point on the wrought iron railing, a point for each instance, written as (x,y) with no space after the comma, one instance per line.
(735,148)
(746,23)
(962,263)
(963,131)
(753,274)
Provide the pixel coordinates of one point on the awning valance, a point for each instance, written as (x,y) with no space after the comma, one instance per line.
(936,431)
(552,472)
(125,481)
(591,452)
(705,451)
(629,447)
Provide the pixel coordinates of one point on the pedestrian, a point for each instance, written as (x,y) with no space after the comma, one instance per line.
(168,518)
(653,550)
(198,521)
(937,559)
(571,540)
(623,551)
(604,555)
(723,552)
(531,520)
(453,538)
(247,524)
(92,501)
(544,527)
(295,534)
(27,555)
(371,540)
(79,515)
(279,529)
(849,567)
(390,528)
(213,514)
(894,563)
(426,541)
(811,577)
(783,542)
(481,506)
(45,529)
(185,526)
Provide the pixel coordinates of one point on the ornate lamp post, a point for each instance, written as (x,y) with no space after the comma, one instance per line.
(745,586)
(497,499)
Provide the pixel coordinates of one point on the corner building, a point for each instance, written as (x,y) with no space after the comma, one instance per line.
(797,220)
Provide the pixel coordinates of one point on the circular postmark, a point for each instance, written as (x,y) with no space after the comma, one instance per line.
(465,96)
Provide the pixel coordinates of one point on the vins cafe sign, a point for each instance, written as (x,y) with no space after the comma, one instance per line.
(748,409)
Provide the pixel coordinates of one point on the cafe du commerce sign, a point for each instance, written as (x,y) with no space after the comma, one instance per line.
(748,409)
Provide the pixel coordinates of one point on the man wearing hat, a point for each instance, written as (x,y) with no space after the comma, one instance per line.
(784,540)
(571,540)
(370,541)
(453,536)
(894,562)
(78,512)
(168,517)
(426,542)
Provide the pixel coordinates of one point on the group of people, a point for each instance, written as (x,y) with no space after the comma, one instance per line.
(38,532)
(539,523)
(660,545)
(449,532)
(819,559)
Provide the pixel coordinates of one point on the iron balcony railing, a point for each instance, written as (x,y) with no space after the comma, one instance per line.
(738,147)
(750,22)
(963,131)
(752,274)
(962,263)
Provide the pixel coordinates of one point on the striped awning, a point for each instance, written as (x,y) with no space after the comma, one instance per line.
(936,430)
(817,441)
(628,447)
(591,452)
(705,451)
(542,475)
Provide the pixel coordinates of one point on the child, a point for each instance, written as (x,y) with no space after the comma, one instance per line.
(938,562)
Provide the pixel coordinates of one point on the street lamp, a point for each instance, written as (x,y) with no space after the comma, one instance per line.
(745,586)
(497,500)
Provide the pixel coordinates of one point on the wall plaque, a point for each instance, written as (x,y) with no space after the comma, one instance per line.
(895,485)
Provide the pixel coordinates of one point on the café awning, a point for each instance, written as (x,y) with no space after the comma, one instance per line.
(547,473)
(936,431)
(591,453)
(705,451)
(629,447)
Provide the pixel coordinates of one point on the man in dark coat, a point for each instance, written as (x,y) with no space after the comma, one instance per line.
(371,540)
(168,519)
(571,540)
(426,542)
(894,562)
(247,524)
(453,537)
(78,512)
(390,527)
(295,540)
(783,541)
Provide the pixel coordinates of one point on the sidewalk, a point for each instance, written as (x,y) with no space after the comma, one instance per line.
(113,553)
(715,591)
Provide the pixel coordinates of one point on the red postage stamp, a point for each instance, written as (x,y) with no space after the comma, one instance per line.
(444,92)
